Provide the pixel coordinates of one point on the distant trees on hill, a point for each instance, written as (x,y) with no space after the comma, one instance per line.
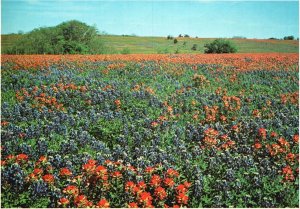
(72,37)
(288,38)
(169,37)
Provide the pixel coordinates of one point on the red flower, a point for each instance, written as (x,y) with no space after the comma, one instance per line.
(101,172)
(129,186)
(169,182)
(103,203)
(108,162)
(48,178)
(118,103)
(3,162)
(210,132)
(137,190)
(41,160)
(132,205)
(160,193)
(187,184)
(22,157)
(182,198)
(155,181)
(288,173)
(274,149)
(149,170)
(37,171)
(31,177)
(230,143)
(257,145)
(145,198)
(65,172)
(63,201)
(131,168)
(172,173)
(176,206)
(296,138)
(10,157)
(154,124)
(273,134)
(89,168)
(141,185)
(224,137)
(235,128)
(71,190)
(262,133)
(181,188)
(284,144)
(82,201)
(116,174)
(92,162)
(290,157)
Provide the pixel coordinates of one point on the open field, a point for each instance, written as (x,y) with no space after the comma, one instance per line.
(150,130)
(153,45)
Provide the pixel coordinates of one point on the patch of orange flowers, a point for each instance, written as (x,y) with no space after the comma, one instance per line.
(242,62)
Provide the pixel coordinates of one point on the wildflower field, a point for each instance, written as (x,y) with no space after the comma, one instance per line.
(150,130)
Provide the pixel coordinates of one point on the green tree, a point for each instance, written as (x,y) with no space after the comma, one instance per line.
(288,38)
(219,46)
(72,37)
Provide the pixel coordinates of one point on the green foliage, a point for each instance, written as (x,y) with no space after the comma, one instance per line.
(169,37)
(163,51)
(112,44)
(72,37)
(125,51)
(288,38)
(194,47)
(220,46)
(175,41)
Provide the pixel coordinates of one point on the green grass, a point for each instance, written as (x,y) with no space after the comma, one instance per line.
(154,45)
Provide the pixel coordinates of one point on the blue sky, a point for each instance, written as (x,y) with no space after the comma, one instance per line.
(251,19)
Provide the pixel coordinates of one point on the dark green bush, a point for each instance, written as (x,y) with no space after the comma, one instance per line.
(72,37)
(175,41)
(194,47)
(288,38)
(220,46)
(169,37)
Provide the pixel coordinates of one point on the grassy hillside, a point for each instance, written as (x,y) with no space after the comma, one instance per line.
(150,45)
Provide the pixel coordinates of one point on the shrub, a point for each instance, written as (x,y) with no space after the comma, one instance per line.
(220,46)
(72,37)
(288,38)
(194,47)
(169,37)
(175,41)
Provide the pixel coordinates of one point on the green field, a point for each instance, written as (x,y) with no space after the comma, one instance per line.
(161,45)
